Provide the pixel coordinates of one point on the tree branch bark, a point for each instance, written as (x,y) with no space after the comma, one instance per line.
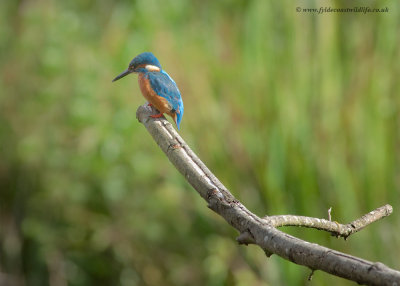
(253,229)
(335,228)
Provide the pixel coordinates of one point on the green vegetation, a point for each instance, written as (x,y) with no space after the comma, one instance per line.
(294,112)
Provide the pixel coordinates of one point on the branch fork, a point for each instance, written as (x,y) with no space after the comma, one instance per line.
(263,231)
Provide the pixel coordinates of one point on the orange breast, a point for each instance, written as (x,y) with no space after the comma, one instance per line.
(151,96)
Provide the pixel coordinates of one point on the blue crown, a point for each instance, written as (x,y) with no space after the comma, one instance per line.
(146,58)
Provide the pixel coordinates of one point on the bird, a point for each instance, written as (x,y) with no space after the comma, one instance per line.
(157,87)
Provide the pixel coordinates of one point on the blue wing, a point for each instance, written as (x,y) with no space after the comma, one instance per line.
(166,87)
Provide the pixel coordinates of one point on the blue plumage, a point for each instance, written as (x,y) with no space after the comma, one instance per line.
(156,85)
(166,87)
(145,58)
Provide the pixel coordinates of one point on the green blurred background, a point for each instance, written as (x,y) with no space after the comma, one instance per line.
(294,112)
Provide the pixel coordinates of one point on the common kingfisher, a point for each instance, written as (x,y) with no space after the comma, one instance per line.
(156,85)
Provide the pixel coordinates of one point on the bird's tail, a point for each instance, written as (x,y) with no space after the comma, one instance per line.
(177,119)
(179,114)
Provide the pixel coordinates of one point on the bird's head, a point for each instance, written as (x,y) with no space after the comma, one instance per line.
(143,62)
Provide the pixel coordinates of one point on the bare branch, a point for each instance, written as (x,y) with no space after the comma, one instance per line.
(337,229)
(245,238)
(271,240)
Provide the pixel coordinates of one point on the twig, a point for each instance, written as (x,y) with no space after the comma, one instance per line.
(337,229)
(329,214)
(271,240)
(311,275)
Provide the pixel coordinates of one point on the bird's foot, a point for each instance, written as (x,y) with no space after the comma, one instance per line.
(156,115)
(149,104)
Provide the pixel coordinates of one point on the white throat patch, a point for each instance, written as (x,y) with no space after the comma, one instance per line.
(152,68)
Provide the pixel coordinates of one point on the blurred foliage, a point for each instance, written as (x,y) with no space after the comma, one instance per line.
(294,112)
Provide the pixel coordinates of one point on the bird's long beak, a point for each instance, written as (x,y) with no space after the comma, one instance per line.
(121,75)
